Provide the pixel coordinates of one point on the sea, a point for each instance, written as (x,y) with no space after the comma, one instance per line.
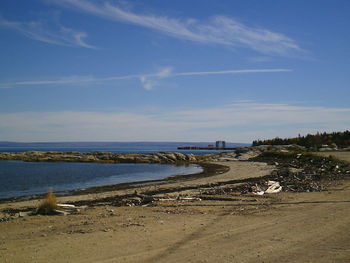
(28,179)
(115,147)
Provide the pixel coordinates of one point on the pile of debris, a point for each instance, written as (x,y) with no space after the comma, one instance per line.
(287,180)
(298,172)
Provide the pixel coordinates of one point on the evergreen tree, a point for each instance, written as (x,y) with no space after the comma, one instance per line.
(341,139)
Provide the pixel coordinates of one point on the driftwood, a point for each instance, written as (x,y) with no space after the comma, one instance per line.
(181,199)
(66,206)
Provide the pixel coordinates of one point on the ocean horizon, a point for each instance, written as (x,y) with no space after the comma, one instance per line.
(115,147)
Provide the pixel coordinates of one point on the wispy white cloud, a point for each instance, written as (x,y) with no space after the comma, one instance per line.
(149,81)
(239,122)
(240,71)
(219,29)
(41,31)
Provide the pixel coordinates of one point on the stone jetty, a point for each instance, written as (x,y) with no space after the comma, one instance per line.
(102,157)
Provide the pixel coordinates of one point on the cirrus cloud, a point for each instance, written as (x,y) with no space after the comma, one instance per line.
(42,31)
(219,29)
(148,81)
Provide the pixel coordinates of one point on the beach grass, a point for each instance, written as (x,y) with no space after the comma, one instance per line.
(48,205)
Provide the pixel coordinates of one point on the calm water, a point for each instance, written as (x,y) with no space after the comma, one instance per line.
(19,178)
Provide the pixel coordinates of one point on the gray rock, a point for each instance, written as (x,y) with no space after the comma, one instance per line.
(61,212)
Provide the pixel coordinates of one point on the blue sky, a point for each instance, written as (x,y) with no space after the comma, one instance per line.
(199,70)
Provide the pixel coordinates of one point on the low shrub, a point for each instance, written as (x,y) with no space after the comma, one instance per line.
(48,205)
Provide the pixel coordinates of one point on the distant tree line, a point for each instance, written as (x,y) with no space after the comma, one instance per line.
(341,139)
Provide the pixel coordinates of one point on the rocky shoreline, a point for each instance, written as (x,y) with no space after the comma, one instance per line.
(101,157)
(240,154)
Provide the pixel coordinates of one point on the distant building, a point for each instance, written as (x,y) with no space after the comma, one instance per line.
(220,144)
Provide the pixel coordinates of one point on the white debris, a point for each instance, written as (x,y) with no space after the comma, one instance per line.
(274,187)
(66,206)
(190,199)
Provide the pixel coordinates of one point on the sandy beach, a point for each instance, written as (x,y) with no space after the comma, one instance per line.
(227,227)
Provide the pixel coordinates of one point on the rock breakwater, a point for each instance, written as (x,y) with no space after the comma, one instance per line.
(103,157)
(241,154)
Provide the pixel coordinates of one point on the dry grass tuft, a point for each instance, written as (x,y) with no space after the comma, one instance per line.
(48,205)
